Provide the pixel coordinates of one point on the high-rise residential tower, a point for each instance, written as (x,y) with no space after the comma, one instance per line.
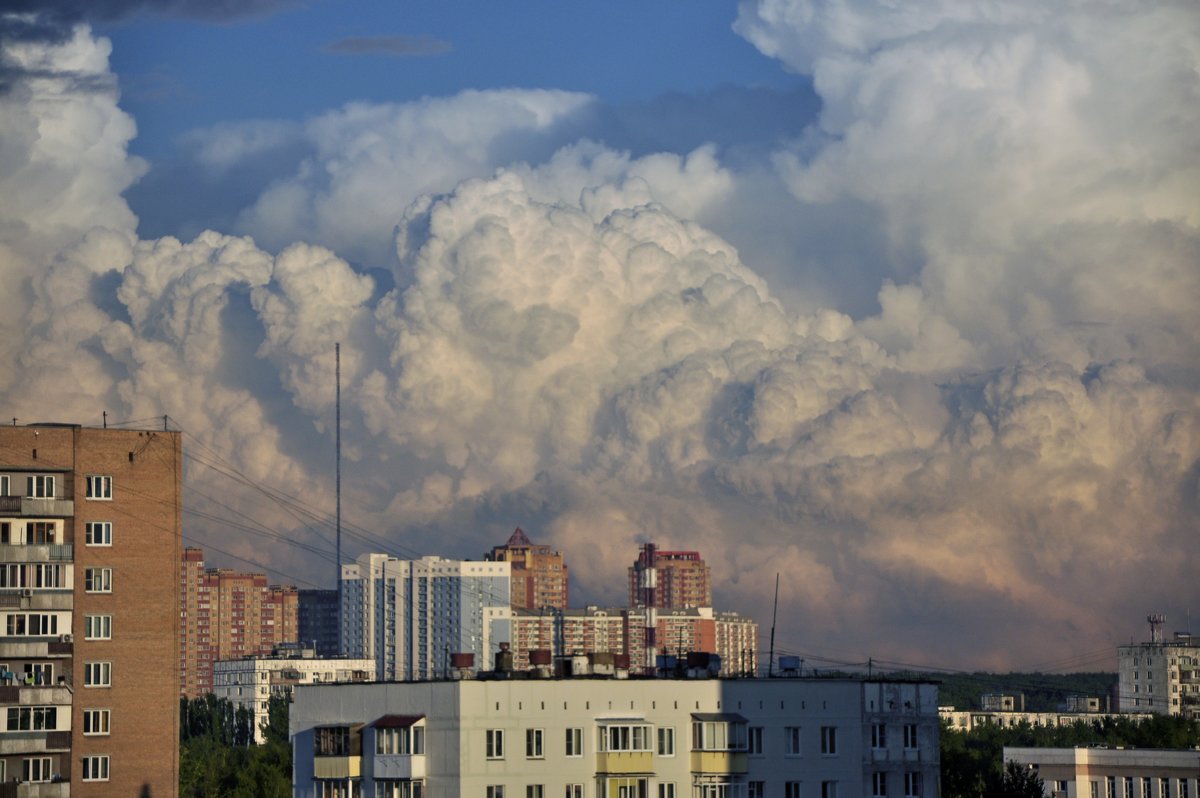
(669,579)
(410,616)
(227,615)
(89,555)
(539,574)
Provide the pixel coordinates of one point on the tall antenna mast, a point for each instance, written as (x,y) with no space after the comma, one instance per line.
(774,615)
(337,372)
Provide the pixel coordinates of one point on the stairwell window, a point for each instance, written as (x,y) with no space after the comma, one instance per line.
(792,735)
(829,740)
(95,768)
(99,488)
(97,674)
(97,580)
(98,533)
(97,627)
(533,743)
(495,744)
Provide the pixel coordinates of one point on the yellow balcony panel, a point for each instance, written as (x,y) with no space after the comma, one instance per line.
(719,762)
(625,762)
(337,767)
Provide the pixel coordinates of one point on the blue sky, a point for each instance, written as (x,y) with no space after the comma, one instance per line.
(896,300)
(181,74)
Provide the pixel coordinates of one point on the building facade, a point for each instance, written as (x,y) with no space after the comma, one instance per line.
(669,579)
(539,574)
(226,614)
(1093,772)
(632,738)
(318,621)
(621,631)
(409,616)
(1162,676)
(90,536)
(252,682)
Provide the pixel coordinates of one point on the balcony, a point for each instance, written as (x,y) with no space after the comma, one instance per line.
(35,789)
(46,508)
(58,695)
(398,766)
(335,767)
(624,762)
(34,742)
(719,762)
(37,552)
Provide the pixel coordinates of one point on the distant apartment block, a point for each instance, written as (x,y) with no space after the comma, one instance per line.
(252,682)
(89,552)
(1096,772)
(227,614)
(410,616)
(318,621)
(968,719)
(621,631)
(539,574)
(1160,676)
(669,579)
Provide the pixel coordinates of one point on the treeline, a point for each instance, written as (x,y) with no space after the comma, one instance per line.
(973,762)
(218,757)
(1043,692)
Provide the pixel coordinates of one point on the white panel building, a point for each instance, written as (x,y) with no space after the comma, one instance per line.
(409,616)
(614,738)
(1096,772)
(1161,676)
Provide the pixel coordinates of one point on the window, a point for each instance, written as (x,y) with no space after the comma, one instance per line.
(35,769)
(912,784)
(97,580)
(625,737)
(535,791)
(878,736)
(32,719)
(574,742)
(1060,785)
(533,744)
(829,740)
(97,627)
(792,735)
(574,791)
(879,784)
(1110,787)
(95,721)
(666,741)
(399,788)
(32,624)
(1146,792)
(910,736)
(756,789)
(666,789)
(1183,788)
(99,487)
(39,487)
(1128,788)
(98,533)
(41,532)
(718,735)
(791,789)
(829,789)
(495,790)
(495,746)
(401,741)
(4,485)
(1095,788)
(95,768)
(97,674)
(754,740)
(331,741)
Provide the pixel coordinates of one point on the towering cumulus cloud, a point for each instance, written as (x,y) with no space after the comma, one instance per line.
(996,465)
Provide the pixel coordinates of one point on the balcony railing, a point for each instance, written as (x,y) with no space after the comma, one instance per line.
(25,505)
(37,552)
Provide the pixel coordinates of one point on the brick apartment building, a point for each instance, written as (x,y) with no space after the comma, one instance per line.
(89,551)
(228,615)
(539,574)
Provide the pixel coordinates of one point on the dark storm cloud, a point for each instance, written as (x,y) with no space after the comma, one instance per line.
(59,15)
(389,45)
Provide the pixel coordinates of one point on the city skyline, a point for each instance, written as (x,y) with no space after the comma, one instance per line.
(895,303)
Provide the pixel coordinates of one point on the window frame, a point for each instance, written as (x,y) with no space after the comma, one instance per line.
(97,717)
(829,740)
(96,767)
(535,743)
(90,536)
(574,742)
(665,741)
(912,740)
(97,627)
(97,674)
(98,487)
(90,576)
(494,745)
(40,486)
(793,741)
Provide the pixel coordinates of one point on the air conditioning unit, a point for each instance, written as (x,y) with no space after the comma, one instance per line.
(27,592)
(65,638)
